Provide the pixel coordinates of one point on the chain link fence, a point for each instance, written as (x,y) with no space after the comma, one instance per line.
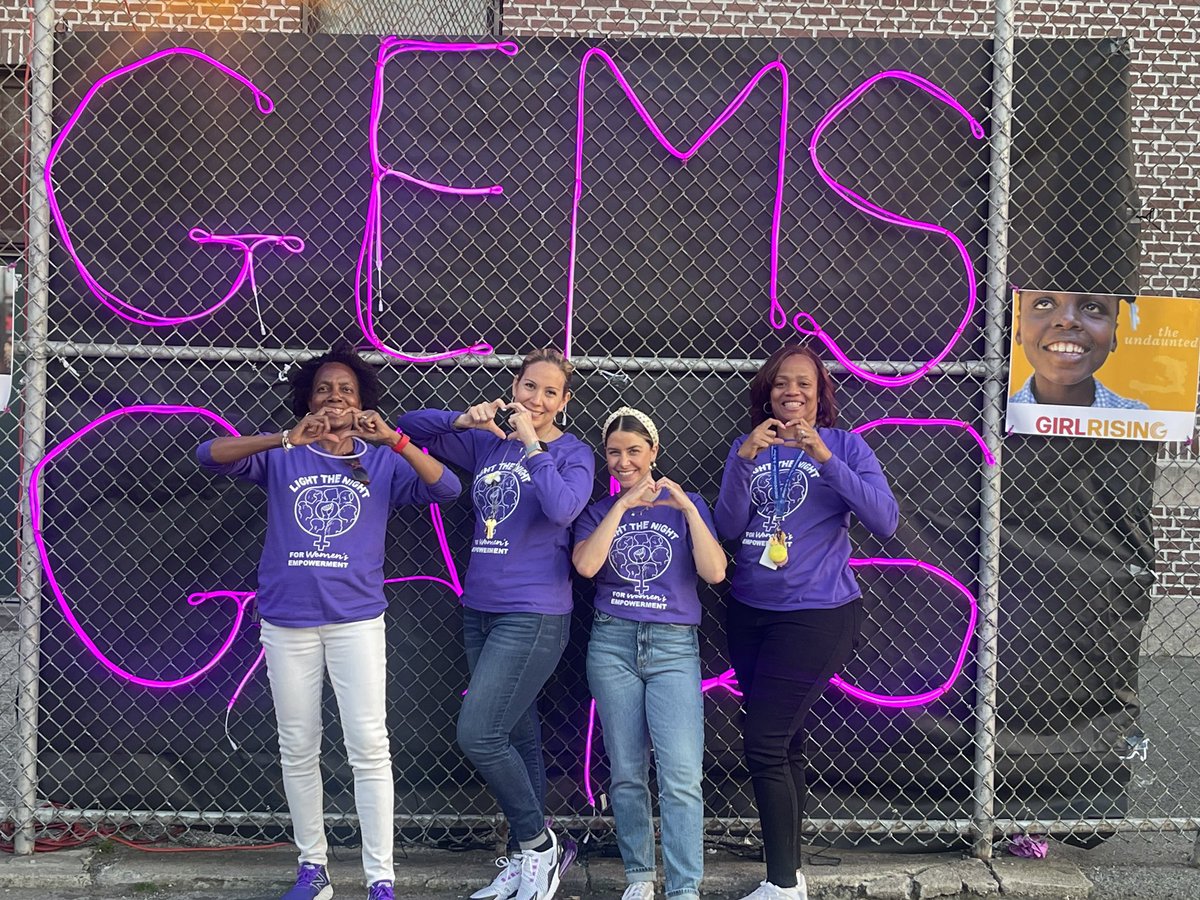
(236,186)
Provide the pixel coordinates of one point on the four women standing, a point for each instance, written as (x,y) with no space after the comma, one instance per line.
(789,488)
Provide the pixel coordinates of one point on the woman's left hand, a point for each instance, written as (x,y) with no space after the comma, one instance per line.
(371,427)
(672,495)
(522,423)
(809,440)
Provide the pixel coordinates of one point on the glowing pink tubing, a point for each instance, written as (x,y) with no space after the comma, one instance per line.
(777,316)
(804,322)
(370,253)
(903,701)
(121,307)
(926,423)
(240,599)
(248,243)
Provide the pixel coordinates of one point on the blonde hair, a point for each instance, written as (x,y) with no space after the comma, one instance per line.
(555,358)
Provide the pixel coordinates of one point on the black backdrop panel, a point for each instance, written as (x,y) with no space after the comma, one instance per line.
(672,261)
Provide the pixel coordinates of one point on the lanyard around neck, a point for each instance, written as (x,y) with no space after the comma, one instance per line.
(781,493)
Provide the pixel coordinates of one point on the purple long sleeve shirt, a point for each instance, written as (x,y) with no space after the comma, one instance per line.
(322,560)
(820,500)
(525,564)
(650,573)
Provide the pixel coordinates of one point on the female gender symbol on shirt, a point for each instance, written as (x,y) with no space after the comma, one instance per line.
(496,495)
(640,556)
(326,511)
(763,497)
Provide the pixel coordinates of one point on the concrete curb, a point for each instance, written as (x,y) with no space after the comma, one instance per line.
(878,876)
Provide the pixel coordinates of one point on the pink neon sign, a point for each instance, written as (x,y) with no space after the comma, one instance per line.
(805,323)
(777,316)
(988,457)
(247,242)
(370,255)
(240,599)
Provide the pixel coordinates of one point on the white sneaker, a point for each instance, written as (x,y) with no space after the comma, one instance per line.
(639,890)
(801,885)
(539,872)
(504,885)
(768,891)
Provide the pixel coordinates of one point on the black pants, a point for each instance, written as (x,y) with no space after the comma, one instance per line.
(783,662)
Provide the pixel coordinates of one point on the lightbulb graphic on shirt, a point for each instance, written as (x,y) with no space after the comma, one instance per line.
(327,511)
(762,497)
(640,557)
(496,495)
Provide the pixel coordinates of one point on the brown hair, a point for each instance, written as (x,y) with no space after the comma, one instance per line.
(764,378)
(555,358)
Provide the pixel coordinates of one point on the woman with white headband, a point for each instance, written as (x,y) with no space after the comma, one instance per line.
(644,547)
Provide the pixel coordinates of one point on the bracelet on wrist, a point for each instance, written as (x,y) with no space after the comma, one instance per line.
(286,443)
(404,441)
(536,447)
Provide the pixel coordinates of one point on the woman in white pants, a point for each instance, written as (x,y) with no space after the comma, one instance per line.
(331,480)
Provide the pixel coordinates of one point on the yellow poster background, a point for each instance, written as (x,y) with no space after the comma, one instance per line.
(1156,363)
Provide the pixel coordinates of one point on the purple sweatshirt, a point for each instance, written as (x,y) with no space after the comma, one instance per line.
(650,572)
(525,565)
(817,521)
(322,561)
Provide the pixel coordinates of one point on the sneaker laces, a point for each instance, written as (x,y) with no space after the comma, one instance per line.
(381,890)
(529,865)
(308,874)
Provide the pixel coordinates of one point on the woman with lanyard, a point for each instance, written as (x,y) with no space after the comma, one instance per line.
(331,481)
(786,496)
(645,548)
(530,482)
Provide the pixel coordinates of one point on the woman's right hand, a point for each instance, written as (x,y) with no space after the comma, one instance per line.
(764,436)
(309,430)
(482,416)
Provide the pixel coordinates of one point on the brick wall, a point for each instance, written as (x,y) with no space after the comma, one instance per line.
(147,15)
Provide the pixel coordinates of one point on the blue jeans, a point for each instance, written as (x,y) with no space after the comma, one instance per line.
(646,680)
(511,657)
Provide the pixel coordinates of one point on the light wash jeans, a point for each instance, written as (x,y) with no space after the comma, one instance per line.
(355,654)
(511,657)
(646,680)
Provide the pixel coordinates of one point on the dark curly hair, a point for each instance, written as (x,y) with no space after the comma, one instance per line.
(301,378)
(764,378)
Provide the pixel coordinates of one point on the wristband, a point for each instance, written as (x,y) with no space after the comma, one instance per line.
(536,447)
(286,444)
(402,443)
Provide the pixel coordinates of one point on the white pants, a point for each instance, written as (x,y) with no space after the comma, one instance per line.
(355,655)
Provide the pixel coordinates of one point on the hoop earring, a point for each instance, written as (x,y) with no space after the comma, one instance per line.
(766,407)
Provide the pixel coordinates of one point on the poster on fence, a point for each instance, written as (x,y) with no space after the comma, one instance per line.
(1103,365)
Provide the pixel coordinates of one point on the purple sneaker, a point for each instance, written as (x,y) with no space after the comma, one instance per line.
(381,890)
(312,883)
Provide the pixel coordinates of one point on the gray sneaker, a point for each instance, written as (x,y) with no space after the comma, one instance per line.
(539,872)
(504,886)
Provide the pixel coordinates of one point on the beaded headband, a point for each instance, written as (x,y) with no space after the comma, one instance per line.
(633,414)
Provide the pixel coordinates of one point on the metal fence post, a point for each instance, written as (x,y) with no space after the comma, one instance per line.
(989,526)
(33,419)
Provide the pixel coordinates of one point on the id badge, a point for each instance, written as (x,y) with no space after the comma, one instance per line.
(765,559)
